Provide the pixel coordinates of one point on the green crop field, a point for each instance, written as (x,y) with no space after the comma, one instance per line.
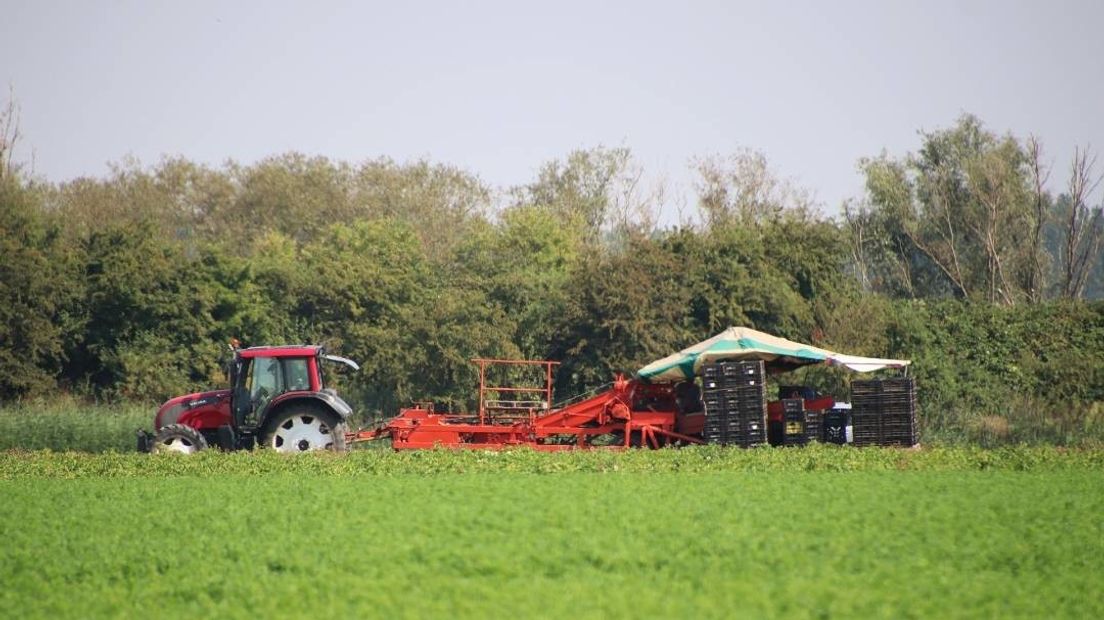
(707,532)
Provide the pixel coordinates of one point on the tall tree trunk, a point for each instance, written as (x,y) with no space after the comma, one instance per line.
(1083,226)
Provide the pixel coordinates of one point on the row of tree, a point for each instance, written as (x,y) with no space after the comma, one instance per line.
(969,216)
(129,286)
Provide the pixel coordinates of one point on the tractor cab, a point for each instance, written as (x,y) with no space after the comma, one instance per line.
(261,375)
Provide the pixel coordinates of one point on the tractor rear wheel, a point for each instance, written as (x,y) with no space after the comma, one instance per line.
(303,429)
(179,438)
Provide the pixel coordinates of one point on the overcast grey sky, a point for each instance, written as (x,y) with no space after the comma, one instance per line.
(500,87)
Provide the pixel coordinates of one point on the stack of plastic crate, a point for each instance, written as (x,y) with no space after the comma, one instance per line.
(734,396)
(747,397)
(814,426)
(793,421)
(883,412)
(715,405)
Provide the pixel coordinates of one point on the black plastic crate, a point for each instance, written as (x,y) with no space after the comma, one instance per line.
(745,428)
(737,430)
(743,440)
(735,368)
(897,385)
(732,374)
(747,407)
(716,421)
(743,409)
(713,403)
(813,426)
(745,393)
(880,436)
(835,425)
(793,408)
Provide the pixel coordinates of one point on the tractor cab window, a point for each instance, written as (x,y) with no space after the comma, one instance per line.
(298,376)
(266,380)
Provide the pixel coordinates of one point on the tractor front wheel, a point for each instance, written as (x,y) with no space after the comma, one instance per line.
(303,429)
(178,438)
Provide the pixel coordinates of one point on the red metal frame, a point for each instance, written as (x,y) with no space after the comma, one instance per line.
(516,406)
(640,414)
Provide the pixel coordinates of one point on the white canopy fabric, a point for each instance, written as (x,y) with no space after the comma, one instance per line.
(865,364)
(743,343)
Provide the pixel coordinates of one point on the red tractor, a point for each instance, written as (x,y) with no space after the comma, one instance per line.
(277,399)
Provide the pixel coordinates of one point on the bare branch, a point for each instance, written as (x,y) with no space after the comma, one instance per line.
(9,134)
(1040,174)
(1083,225)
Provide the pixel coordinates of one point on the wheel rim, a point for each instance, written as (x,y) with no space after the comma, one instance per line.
(183,445)
(302,433)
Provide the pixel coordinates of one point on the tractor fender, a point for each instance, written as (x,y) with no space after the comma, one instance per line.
(330,401)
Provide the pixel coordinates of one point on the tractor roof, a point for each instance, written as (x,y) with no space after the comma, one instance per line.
(291,350)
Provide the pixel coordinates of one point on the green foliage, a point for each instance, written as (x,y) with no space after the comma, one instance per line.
(302,542)
(155,320)
(37,283)
(522,267)
(735,280)
(128,287)
(963,217)
(741,190)
(581,190)
(1037,368)
(624,309)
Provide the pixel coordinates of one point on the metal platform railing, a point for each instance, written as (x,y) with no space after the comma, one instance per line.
(493,405)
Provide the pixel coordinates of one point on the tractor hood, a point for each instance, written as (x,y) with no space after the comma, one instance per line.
(173,409)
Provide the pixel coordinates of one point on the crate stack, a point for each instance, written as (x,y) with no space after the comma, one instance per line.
(883,412)
(814,426)
(735,399)
(793,422)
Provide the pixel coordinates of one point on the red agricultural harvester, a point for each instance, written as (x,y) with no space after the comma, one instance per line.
(712,392)
(628,413)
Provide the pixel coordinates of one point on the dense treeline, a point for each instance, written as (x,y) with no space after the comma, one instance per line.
(129,286)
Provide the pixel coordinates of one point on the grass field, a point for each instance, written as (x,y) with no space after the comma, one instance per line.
(69,425)
(691,533)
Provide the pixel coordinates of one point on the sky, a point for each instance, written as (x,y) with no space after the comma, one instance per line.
(499,88)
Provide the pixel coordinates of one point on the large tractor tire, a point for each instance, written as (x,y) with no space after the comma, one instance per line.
(303,429)
(178,438)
